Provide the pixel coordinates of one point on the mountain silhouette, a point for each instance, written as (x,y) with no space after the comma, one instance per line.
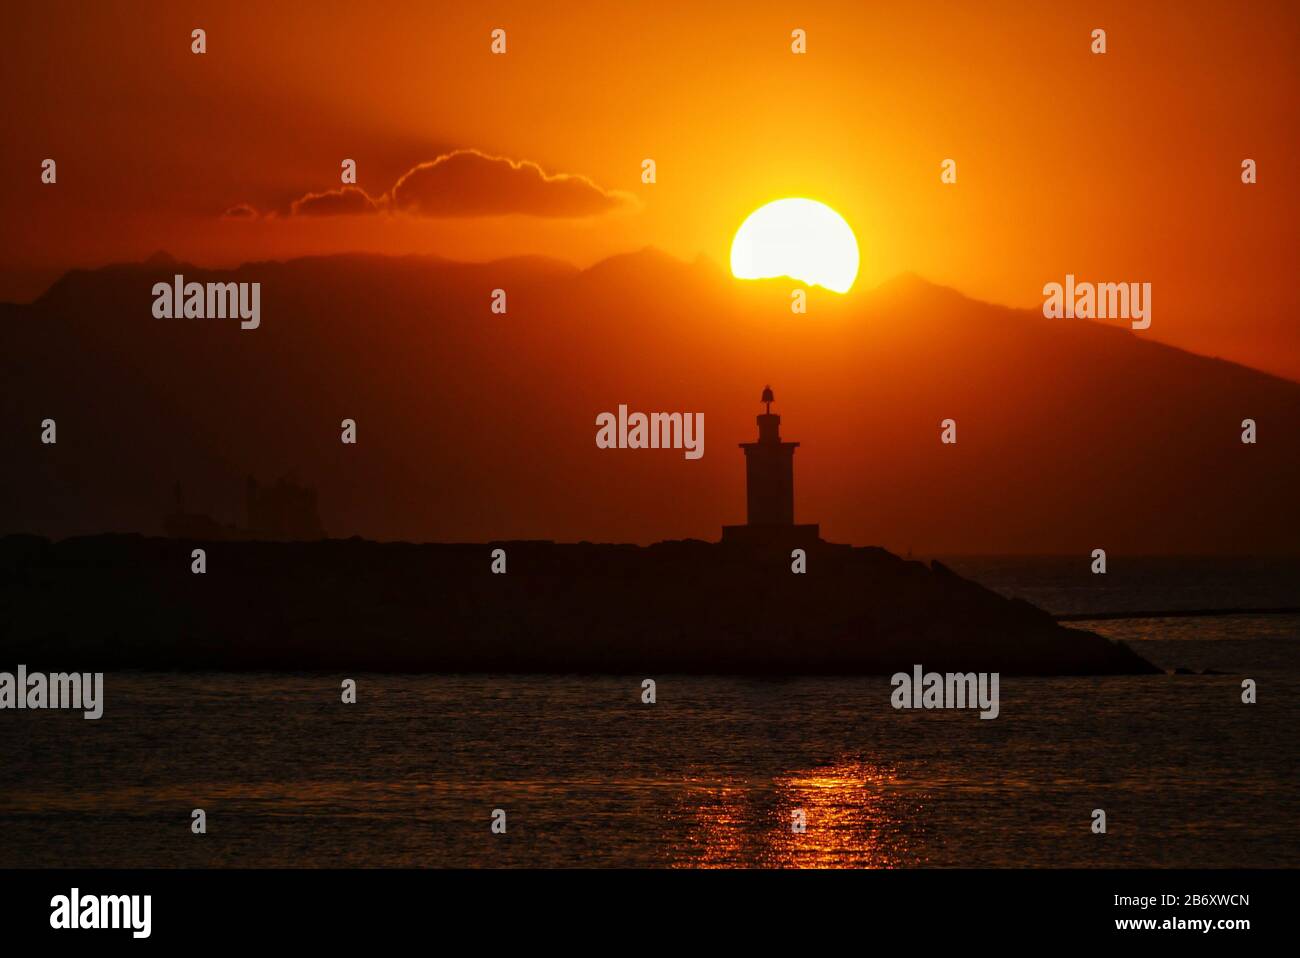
(472,425)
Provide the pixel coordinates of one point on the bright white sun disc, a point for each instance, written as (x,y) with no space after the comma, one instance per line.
(799,238)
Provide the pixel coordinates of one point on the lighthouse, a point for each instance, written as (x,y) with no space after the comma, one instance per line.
(769,486)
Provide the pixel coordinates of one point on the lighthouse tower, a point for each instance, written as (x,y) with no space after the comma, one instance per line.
(769,486)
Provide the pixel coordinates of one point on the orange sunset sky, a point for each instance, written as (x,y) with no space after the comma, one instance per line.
(1119,167)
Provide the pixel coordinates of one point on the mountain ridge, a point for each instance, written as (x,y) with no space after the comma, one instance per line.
(904,283)
(1071,434)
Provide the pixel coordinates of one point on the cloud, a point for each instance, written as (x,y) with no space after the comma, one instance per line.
(348,201)
(469,183)
(462,184)
(241,211)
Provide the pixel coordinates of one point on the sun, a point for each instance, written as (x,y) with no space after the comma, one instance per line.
(803,239)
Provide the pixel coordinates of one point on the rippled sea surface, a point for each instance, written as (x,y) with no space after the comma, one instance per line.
(712,774)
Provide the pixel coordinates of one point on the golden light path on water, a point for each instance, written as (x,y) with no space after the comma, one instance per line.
(855,816)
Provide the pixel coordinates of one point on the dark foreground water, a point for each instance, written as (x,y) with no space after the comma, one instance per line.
(710,775)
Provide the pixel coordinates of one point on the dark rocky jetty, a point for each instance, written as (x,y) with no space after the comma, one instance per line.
(130,602)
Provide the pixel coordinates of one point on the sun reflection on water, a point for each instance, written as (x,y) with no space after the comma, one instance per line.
(857,815)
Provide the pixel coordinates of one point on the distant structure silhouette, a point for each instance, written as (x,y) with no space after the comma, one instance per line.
(192,525)
(284,511)
(769,487)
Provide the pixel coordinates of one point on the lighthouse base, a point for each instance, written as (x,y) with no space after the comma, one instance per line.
(772,535)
